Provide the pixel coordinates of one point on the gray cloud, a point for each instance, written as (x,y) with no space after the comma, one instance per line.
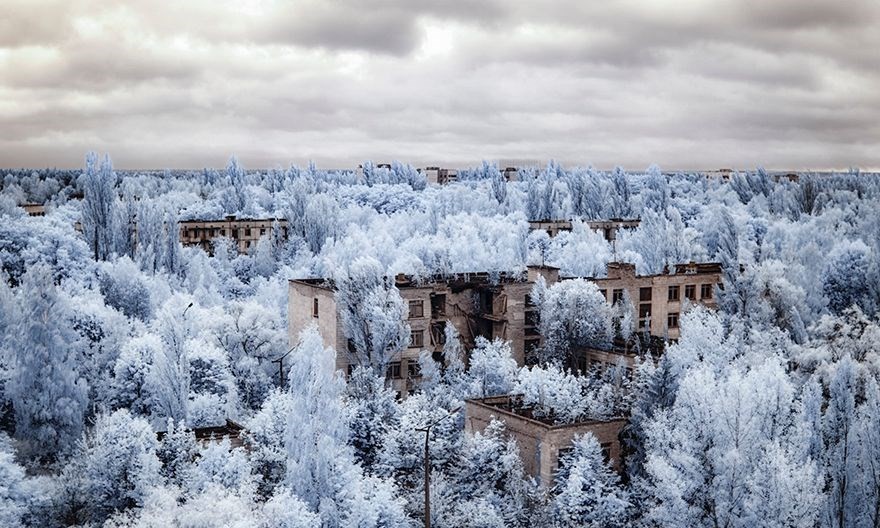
(699,84)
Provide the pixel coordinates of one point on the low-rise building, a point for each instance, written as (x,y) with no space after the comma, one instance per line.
(477,304)
(34,209)
(608,228)
(229,430)
(244,232)
(541,444)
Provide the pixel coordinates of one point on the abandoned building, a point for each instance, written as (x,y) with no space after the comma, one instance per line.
(499,306)
(34,209)
(541,444)
(658,300)
(229,430)
(439,176)
(608,228)
(244,232)
(477,304)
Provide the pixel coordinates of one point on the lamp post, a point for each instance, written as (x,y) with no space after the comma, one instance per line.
(188,306)
(427,431)
(280,362)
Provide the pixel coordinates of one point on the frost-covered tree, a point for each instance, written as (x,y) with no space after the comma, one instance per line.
(264,437)
(489,470)
(286,510)
(176,453)
(587,491)
(234,197)
(98,185)
(372,412)
(129,387)
(574,314)
(552,393)
(321,466)
(168,380)
(705,450)
(850,278)
(124,288)
(118,464)
(372,314)
(45,386)
(13,487)
(491,370)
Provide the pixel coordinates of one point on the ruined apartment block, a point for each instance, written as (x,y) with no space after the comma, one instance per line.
(608,228)
(244,232)
(499,306)
(477,304)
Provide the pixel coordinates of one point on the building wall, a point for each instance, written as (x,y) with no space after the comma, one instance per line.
(474,308)
(245,232)
(539,444)
(608,228)
(623,277)
(33,209)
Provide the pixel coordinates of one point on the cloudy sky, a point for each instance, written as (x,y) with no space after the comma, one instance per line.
(682,83)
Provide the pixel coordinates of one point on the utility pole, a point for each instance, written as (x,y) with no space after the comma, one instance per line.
(427,431)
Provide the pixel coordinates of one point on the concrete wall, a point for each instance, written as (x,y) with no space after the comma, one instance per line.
(244,232)
(539,443)
(625,278)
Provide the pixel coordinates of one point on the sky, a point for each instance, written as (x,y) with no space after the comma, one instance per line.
(685,84)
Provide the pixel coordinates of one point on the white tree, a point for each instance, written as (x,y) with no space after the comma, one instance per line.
(574,314)
(556,395)
(588,493)
(46,390)
(99,197)
(13,488)
(372,314)
(492,370)
(118,463)
(286,510)
(321,467)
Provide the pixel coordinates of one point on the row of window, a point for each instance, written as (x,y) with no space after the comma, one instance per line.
(395,371)
(673,293)
(215,231)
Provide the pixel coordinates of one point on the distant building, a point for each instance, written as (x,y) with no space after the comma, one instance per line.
(510,174)
(244,232)
(658,300)
(34,209)
(541,444)
(608,228)
(230,430)
(439,176)
(477,304)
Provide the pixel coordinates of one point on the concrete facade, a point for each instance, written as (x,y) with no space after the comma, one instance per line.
(659,300)
(439,176)
(245,232)
(474,303)
(540,443)
(608,228)
(34,209)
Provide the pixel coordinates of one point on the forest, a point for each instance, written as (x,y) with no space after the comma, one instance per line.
(764,413)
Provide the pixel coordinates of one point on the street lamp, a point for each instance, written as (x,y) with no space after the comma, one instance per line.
(427,431)
(280,362)
(188,306)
